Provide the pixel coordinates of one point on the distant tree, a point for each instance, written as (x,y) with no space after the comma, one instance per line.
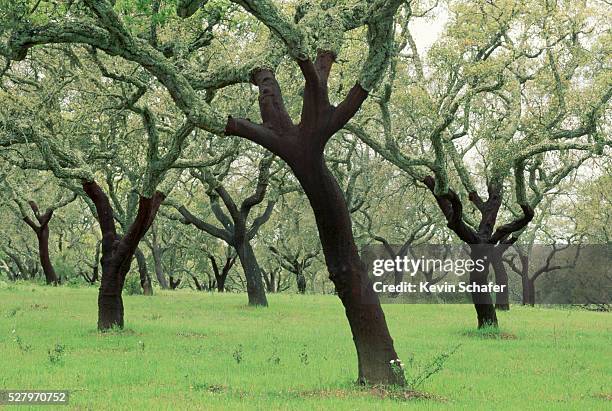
(235,228)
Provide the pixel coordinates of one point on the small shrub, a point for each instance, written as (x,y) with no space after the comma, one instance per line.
(12,312)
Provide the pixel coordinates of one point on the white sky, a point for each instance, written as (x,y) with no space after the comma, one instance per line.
(426,31)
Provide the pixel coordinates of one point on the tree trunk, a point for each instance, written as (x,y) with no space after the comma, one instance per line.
(371,336)
(145,279)
(220,280)
(301,282)
(255,288)
(110,302)
(43,251)
(117,251)
(502,298)
(528,290)
(483,303)
(157,265)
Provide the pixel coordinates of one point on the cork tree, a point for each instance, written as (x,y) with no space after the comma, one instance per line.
(39,221)
(40,124)
(235,226)
(504,107)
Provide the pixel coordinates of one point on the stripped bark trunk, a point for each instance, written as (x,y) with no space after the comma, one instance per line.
(117,251)
(255,287)
(302,147)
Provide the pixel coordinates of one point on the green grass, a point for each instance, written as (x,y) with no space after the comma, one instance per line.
(179,351)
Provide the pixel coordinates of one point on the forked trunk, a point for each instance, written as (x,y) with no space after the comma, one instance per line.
(255,287)
(371,336)
(117,251)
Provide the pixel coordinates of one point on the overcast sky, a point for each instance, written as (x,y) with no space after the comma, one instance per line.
(426,31)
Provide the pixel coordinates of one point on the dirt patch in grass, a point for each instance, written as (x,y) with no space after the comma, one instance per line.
(490,335)
(603,396)
(114,331)
(378,392)
(39,307)
(212,388)
(190,334)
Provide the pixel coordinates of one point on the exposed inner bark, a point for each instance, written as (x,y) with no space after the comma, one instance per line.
(302,146)
(117,251)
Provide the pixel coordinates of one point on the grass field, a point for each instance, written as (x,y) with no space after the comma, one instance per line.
(186,350)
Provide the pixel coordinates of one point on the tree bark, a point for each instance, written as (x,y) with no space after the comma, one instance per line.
(483,303)
(349,274)
(502,298)
(528,290)
(145,279)
(255,287)
(42,234)
(117,251)
(156,252)
(301,282)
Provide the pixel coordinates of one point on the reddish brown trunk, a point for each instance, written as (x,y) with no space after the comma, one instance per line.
(302,147)
(349,274)
(117,251)
(43,251)
(483,303)
(42,234)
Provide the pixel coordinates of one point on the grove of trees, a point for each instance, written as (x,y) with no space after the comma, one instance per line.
(256,146)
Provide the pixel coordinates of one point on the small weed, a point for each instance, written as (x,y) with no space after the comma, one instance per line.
(274,358)
(23,346)
(56,354)
(238,354)
(212,388)
(304,356)
(431,369)
(12,312)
